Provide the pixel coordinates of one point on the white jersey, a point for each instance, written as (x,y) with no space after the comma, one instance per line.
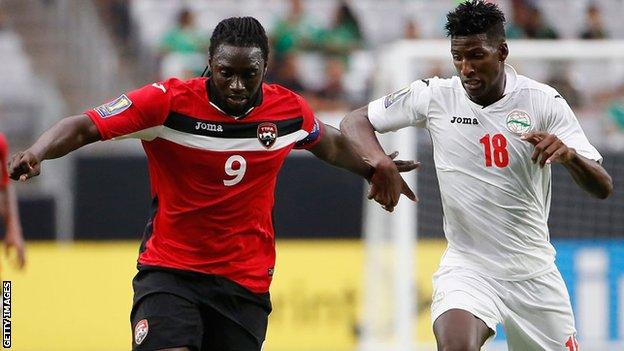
(495,200)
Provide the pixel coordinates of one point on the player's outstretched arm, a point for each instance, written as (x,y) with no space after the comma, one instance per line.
(334,149)
(386,182)
(65,136)
(588,174)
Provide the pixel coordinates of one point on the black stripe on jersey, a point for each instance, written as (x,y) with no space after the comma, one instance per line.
(191,125)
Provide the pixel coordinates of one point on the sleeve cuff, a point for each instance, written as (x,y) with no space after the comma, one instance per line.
(97,120)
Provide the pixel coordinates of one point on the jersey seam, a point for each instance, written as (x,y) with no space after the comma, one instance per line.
(172,95)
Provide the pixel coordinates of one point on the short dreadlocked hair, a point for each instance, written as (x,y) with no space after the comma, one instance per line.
(476,17)
(240,31)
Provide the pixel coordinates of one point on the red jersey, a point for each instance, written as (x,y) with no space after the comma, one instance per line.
(4,158)
(212,176)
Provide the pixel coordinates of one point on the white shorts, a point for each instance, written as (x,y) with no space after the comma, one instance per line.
(536,313)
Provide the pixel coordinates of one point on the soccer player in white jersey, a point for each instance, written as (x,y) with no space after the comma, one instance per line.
(495,135)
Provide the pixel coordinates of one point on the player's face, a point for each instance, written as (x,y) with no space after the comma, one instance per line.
(237,73)
(480,65)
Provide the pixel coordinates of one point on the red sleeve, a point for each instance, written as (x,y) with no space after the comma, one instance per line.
(4,159)
(137,110)
(311,125)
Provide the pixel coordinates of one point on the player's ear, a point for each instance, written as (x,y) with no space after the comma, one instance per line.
(503,51)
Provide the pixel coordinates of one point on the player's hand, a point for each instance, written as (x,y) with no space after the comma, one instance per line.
(14,239)
(402,165)
(24,165)
(387,185)
(548,148)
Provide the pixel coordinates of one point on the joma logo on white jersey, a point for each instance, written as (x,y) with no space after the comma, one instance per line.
(464,120)
(209,127)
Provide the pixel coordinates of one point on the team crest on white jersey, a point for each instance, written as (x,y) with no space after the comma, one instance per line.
(140,331)
(267,134)
(518,122)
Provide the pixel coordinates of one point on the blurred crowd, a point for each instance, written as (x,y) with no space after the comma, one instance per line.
(330,55)
(329,65)
(297,40)
(325,62)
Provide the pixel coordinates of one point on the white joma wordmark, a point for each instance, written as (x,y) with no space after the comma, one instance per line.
(159,86)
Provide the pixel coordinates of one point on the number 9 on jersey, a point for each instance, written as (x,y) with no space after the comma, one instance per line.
(235,166)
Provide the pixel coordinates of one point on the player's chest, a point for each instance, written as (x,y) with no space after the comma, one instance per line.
(210,170)
(471,137)
(214,150)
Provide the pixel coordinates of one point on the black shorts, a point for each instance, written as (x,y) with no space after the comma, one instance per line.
(175,308)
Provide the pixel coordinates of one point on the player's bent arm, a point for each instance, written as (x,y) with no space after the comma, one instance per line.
(587,173)
(13,235)
(65,136)
(12,217)
(590,175)
(13,229)
(334,149)
(360,133)
(386,182)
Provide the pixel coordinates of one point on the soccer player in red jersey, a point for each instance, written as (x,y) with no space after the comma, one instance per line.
(214,147)
(9,213)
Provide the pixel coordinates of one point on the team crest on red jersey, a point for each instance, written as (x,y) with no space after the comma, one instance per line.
(267,134)
(140,331)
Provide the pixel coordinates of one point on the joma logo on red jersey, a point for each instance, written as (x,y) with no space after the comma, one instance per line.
(209,126)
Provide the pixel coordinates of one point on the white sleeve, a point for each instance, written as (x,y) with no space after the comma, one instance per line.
(406,107)
(563,123)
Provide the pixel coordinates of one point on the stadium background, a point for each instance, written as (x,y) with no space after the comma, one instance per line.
(84,216)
